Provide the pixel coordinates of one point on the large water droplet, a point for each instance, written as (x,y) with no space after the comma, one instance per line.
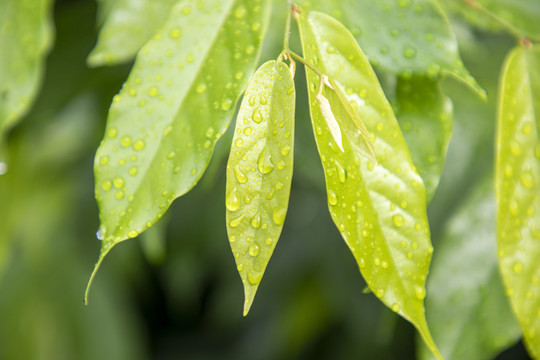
(256,220)
(257,117)
(139,144)
(332,198)
(118,182)
(254,277)
(420,292)
(226,104)
(398,220)
(231,200)
(254,249)
(235,222)
(240,176)
(133,233)
(279,216)
(342,175)
(125,140)
(409,52)
(100,234)
(103,160)
(264,163)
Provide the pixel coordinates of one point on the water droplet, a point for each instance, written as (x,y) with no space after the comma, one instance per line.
(103,160)
(106,185)
(404,3)
(342,175)
(515,148)
(527,179)
(250,49)
(240,12)
(535,230)
(514,208)
(379,293)
(235,222)
(186,10)
(398,220)
(190,58)
(125,140)
(256,220)
(254,277)
(139,144)
(270,195)
(240,176)
(396,307)
(248,131)
(100,234)
(239,142)
(285,150)
(420,292)
(257,117)
(254,249)
(331,50)
(226,104)
(409,52)
(231,200)
(518,267)
(153,91)
(118,182)
(119,195)
(175,33)
(240,267)
(201,88)
(279,216)
(239,75)
(332,198)
(112,133)
(265,163)
(133,171)
(263,100)
(133,233)
(171,155)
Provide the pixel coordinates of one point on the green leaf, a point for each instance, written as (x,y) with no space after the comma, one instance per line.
(404,37)
(380,210)
(467,309)
(426,118)
(523,15)
(128,25)
(518,188)
(26,35)
(259,172)
(176,103)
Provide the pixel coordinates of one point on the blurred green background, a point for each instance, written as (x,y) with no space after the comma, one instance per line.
(174,292)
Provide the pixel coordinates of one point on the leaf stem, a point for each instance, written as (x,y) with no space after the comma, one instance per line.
(288,28)
(303,61)
(474,4)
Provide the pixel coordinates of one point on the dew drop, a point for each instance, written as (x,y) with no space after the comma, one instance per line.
(254,249)
(240,12)
(125,140)
(226,104)
(279,216)
(256,220)
(264,163)
(118,182)
(248,131)
(100,234)
(153,91)
(133,233)
(240,267)
(257,117)
(396,307)
(139,144)
(254,277)
(231,200)
(263,100)
(398,220)
(175,33)
(171,155)
(409,52)
(515,148)
(106,185)
(250,49)
(210,132)
(103,160)
(420,292)
(201,88)
(235,222)
(112,133)
(527,180)
(240,176)
(270,195)
(285,150)
(514,208)
(238,142)
(518,267)
(342,174)
(251,100)
(119,195)
(332,198)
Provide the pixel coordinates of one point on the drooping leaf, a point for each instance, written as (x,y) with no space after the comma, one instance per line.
(518,188)
(380,210)
(128,25)
(468,312)
(176,103)
(404,37)
(26,36)
(426,118)
(259,172)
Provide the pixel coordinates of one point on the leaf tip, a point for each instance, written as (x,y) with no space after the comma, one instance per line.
(104,251)
(249,296)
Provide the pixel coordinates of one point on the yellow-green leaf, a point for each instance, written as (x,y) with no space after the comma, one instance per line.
(259,172)
(26,34)
(518,188)
(177,102)
(128,25)
(380,210)
(426,118)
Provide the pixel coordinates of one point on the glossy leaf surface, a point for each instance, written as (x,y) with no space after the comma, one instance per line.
(518,188)
(468,312)
(405,36)
(128,25)
(259,172)
(26,36)
(380,210)
(176,103)
(426,119)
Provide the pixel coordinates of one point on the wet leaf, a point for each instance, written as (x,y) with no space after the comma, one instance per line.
(518,188)
(176,103)
(522,15)
(404,37)
(426,118)
(380,210)
(26,35)
(259,172)
(468,312)
(128,25)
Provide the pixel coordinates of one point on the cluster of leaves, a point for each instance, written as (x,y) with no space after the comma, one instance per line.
(382,159)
